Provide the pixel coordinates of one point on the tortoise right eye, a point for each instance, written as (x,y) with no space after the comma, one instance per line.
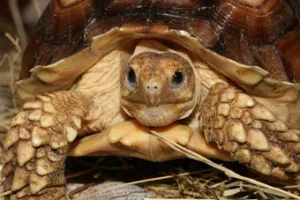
(178,79)
(131,78)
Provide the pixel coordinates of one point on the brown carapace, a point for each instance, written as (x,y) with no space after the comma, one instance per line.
(260,32)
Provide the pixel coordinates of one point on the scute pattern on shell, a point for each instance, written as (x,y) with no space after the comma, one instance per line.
(251,32)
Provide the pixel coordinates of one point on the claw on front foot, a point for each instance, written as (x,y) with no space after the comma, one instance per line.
(130,134)
(176,133)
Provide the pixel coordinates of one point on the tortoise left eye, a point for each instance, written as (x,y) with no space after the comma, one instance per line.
(178,79)
(131,79)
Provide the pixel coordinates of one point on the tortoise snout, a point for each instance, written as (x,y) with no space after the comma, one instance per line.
(152,87)
(152,92)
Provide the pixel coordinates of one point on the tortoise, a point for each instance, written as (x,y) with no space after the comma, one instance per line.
(218,77)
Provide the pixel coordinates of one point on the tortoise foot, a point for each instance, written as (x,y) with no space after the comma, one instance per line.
(137,137)
(132,139)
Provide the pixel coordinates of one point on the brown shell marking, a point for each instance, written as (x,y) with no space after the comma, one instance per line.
(66,19)
(205,30)
(288,49)
(267,57)
(260,20)
(68,3)
(171,13)
(115,5)
(250,28)
(58,33)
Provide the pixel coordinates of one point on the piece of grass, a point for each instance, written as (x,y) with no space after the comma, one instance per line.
(17,18)
(137,182)
(37,8)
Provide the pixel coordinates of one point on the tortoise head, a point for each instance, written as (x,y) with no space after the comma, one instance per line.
(158,88)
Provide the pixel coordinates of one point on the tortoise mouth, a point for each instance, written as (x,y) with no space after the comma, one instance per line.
(158,115)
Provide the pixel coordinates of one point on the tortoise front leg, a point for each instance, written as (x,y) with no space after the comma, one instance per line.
(35,148)
(132,139)
(250,132)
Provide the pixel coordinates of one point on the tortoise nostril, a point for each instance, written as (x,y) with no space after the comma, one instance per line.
(152,86)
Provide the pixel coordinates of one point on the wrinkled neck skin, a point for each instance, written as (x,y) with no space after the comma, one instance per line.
(159,85)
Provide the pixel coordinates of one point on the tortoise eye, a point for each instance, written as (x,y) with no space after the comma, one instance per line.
(178,79)
(131,78)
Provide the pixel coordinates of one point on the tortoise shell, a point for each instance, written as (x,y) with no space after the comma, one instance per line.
(252,32)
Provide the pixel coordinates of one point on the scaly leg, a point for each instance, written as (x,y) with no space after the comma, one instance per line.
(35,148)
(250,132)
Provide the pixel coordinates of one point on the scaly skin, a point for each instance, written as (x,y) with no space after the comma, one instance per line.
(36,146)
(250,132)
